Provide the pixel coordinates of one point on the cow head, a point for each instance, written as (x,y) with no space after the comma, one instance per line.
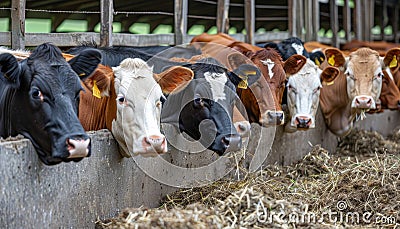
(303,90)
(390,95)
(40,97)
(263,98)
(364,78)
(201,98)
(139,101)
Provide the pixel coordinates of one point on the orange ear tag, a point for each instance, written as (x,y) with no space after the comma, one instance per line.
(393,63)
(331,60)
(96,91)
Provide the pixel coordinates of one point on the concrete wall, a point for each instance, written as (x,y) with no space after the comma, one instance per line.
(74,195)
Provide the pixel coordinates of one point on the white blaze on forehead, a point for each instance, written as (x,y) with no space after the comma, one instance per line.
(270,64)
(217,81)
(299,48)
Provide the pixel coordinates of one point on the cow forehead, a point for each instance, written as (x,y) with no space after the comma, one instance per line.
(218,83)
(307,77)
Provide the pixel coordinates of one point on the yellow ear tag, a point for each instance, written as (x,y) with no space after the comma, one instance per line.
(317,62)
(330,83)
(243,84)
(96,91)
(331,60)
(393,63)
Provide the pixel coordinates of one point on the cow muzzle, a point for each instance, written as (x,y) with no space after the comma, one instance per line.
(363,102)
(153,145)
(78,147)
(229,143)
(303,121)
(272,118)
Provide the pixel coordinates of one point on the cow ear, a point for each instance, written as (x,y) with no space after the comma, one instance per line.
(318,57)
(100,81)
(174,79)
(85,63)
(10,70)
(294,63)
(392,58)
(329,74)
(244,76)
(334,57)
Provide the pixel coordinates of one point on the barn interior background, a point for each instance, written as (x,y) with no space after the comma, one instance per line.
(331,22)
(36,196)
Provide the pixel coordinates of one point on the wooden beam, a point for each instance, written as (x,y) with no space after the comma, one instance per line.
(292,14)
(18,24)
(383,19)
(249,18)
(309,14)
(56,21)
(222,16)
(334,22)
(396,23)
(106,18)
(347,20)
(300,19)
(316,19)
(358,20)
(180,17)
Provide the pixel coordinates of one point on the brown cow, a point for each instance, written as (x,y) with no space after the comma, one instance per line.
(351,88)
(262,100)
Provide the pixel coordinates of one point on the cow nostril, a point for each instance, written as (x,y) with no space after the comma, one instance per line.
(369,102)
(357,102)
(226,140)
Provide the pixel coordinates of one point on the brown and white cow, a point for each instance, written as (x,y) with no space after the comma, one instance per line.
(126,101)
(352,87)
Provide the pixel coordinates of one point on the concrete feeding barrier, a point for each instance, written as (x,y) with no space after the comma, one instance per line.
(77,194)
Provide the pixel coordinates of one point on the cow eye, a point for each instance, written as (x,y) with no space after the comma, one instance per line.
(316,90)
(37,94)
(291,88)
(380,75)
(121,100)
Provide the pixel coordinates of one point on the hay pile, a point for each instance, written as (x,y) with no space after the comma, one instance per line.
(358,185)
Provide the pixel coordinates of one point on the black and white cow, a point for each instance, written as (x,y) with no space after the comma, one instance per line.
(200,102)
(295,45)
(39,99)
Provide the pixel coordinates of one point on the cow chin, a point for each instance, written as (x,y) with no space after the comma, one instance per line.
(150,146)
